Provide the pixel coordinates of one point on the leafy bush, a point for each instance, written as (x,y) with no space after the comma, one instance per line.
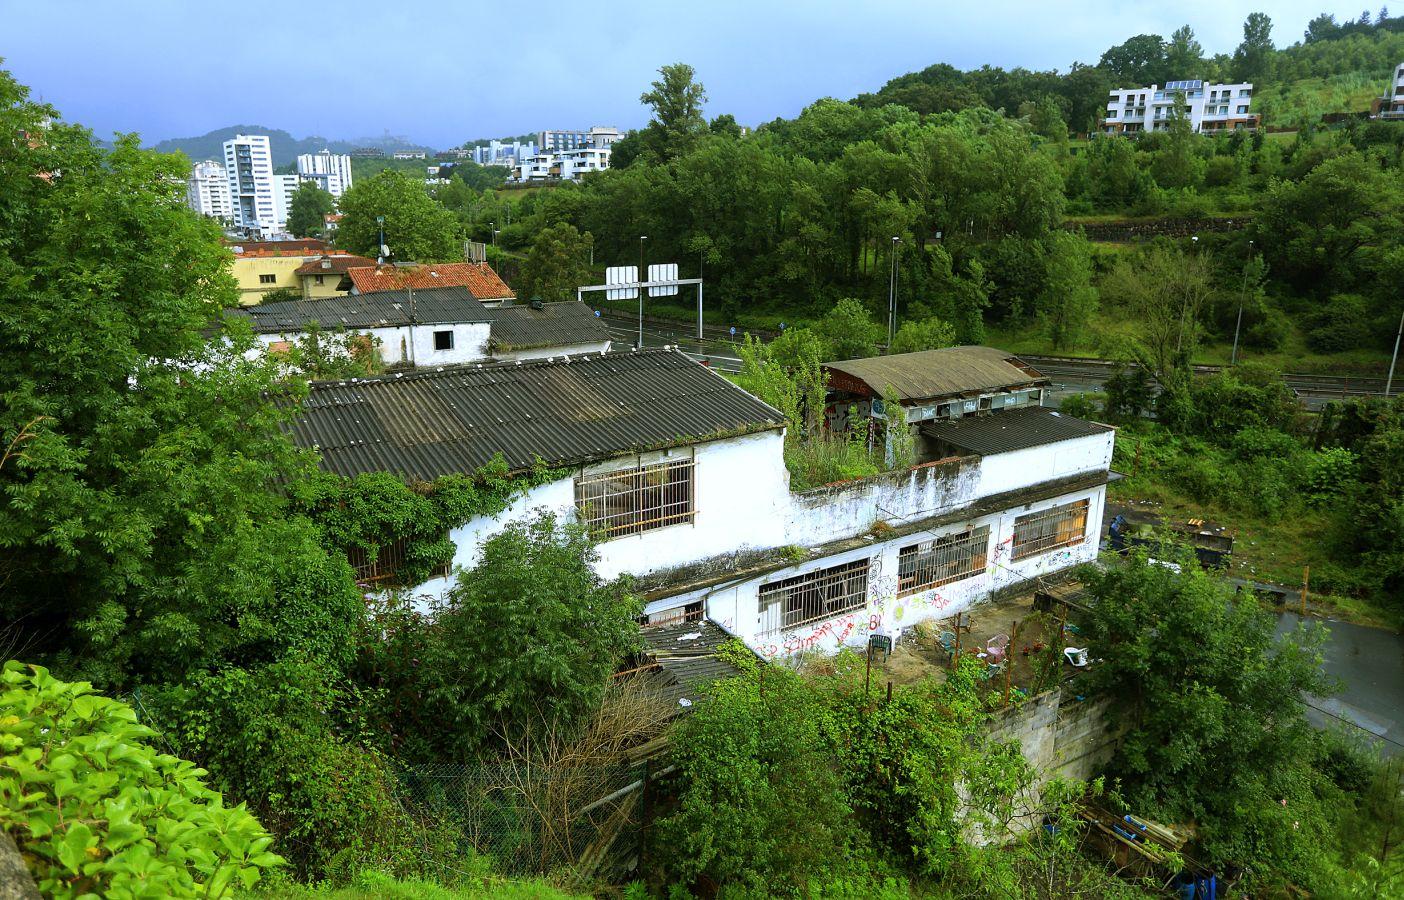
(1083,406)
(271,737)
(96,810)
(1328,475)
(1341,324)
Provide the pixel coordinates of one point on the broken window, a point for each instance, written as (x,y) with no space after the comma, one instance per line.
(948,558)
(821,594)
(382,564)
(1049,529)
(631,501)
(443,340)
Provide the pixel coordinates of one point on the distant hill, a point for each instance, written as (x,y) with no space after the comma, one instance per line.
(286,148)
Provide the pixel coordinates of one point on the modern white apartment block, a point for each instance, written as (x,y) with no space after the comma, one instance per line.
(503,153)
(556,141)
(254,192)
(1209,107)
(207,191)
(286,185)
(1391,105)
(603,136)
(563,165)
(329,171)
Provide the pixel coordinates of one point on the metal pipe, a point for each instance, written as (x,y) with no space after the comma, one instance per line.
(1242,296)
(1389,382)
(892,293)
(642,278)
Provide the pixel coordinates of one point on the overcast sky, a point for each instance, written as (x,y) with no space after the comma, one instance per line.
(443,72)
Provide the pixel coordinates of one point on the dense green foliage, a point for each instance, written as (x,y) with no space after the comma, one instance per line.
(557,264)
(417,228)
(96,810)
(308,210)
(533,604)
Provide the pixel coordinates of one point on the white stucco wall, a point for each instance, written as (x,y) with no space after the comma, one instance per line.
(469,343)
(736,606)
(740,493)
(1024,468)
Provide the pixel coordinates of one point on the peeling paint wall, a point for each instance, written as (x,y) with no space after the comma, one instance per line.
(736,607)
(850,508)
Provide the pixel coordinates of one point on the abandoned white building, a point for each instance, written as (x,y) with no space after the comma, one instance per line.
(682,476)
(434,326)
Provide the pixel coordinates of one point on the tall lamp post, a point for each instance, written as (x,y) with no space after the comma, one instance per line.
(642,279)
(1242,296)
(1389,382)
(892,293)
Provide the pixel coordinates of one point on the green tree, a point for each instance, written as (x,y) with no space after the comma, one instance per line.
(144,529)
(417,227)
(930,333)
(1068,300)
(1253,58)
(308,210)
(1164,290)
(1183,54)
(558,263)
(1211,698)
(677,101)
(849,330)
(1137,61)
(525,639)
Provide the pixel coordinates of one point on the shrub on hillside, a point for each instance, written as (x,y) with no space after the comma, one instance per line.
(96,810)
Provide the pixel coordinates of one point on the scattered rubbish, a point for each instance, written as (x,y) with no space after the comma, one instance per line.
(1076,655)
(683,701)
(696,635)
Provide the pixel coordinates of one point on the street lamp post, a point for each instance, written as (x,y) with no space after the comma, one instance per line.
(380,224)
(892,293)
(1184,310)
(1242,296)
(1389,382)
(642,279)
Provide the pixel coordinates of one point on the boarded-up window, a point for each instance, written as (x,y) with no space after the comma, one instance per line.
(1049,529)
(813,596)
(948,558)
(631,501)
(383,565)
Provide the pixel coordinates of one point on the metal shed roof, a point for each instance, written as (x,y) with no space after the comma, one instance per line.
(686,653)
(1015,429)
(422,426)
(381,309)
(555,324)
(929,374)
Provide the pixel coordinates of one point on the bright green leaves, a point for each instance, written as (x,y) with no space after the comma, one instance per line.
(96,811)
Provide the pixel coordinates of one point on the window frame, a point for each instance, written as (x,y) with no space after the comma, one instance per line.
(443,334)
(973,543)
(381,566)
(1051,533)
(265,278)
(823,593)
(639,499)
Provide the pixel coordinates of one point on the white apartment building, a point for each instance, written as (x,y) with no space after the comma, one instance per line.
(207,191)
(286,186)
(603,136)
(681,475)
(1391,105)
(1209,107)
(556,141)
(503,153)
(566,165)
(329,171)
(255,193)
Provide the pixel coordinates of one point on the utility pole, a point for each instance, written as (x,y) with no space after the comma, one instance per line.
(892,293)
(1242,296)
(1389,382)
(380,224)
(642,279)
(1184,309)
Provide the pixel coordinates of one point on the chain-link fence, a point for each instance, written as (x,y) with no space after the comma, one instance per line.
(531,819)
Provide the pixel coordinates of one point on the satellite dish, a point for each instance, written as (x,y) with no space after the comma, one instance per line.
(384,250)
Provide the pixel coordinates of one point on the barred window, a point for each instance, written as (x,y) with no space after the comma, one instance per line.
(631,501)
(1049,529)
(813,596)
(382,566)
(949,558)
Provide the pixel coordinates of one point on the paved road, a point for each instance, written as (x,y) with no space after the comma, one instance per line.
(1370,665)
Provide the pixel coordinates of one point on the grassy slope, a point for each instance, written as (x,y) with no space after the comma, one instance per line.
(1308,99)
(371,886)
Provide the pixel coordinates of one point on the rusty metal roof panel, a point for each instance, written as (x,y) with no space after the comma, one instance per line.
(931,374)
(382,309)
(566,412)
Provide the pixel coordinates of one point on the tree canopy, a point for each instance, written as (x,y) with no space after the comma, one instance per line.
(416,227)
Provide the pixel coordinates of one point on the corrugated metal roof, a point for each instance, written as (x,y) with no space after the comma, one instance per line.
(1015,429)
(929,374)
(555,324)
(381,309)
(686,652)
(422,426)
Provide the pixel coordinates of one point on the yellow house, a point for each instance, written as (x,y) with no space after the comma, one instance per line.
(263,266)
(326,275)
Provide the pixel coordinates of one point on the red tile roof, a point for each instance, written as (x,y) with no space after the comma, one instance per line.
(339,264)
(478,278)
(303,245)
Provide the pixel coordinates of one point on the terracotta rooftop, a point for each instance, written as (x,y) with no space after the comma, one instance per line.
(479,278)
(335,264)
(302,246)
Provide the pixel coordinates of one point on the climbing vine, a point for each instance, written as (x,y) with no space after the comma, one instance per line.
(375,510)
